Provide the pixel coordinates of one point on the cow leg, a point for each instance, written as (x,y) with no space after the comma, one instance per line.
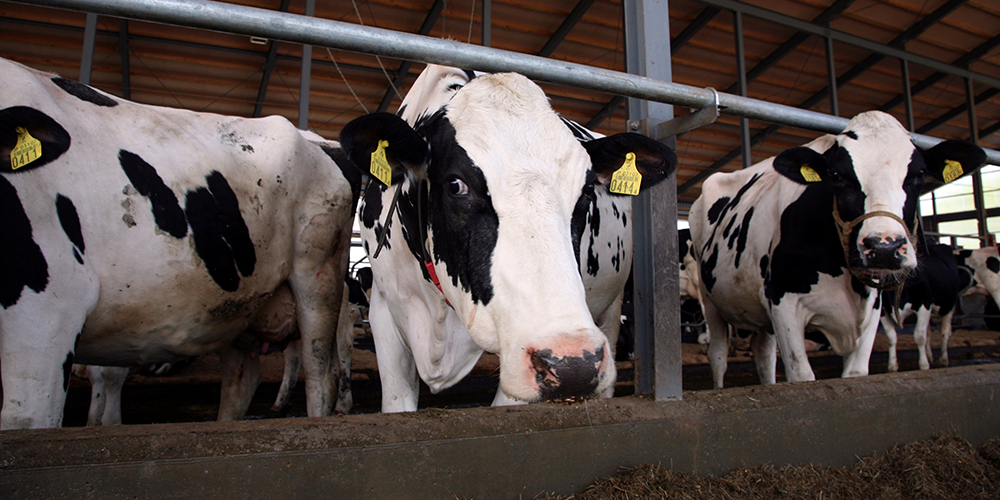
(921,333)
(856,363)
(36,359)
(293,362)
(764,349)
(718,344)
(502,399)
(889,327)
(345,344)
(945,337)
(106,383)
(396,367)
(240,378)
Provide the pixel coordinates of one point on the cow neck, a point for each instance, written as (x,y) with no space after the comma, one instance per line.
(844,230)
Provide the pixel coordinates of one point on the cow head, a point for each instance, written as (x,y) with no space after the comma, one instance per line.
(876,176)
(498,175)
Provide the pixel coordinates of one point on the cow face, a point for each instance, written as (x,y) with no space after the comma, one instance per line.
(876,175)
(498,176)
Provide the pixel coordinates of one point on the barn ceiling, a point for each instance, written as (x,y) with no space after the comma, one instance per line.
(237,75)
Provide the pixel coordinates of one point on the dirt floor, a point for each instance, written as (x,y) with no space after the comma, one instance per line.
(945,468)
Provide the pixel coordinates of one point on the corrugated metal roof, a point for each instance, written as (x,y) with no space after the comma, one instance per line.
(222,73)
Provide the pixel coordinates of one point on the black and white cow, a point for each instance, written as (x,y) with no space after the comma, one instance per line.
(932,291)
(136,234)
(806,239)
(500,212)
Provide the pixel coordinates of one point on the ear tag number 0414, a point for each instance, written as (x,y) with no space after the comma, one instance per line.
(26,150)
(380,166)
(626,180)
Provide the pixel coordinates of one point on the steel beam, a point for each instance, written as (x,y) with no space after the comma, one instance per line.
(741,83)
(656,299)
(123,50)
(566,26)
(487,23)
(87,52)
(831,73)
(977,176)
(878,48)
(265,79)
(306,74)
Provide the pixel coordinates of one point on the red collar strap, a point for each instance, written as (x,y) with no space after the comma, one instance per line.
(434,279)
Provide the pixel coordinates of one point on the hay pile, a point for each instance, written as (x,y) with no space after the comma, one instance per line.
(946,467)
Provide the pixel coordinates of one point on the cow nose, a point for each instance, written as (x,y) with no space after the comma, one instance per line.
(883,252)
(567,376)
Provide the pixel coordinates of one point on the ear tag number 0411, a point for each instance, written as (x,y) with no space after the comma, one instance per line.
(26,150)
(809,174)
(952,170)
(380,166)
(626,180)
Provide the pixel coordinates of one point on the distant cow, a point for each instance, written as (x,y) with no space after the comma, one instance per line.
(136,234)
(932,291)
(808,238)
(494,213)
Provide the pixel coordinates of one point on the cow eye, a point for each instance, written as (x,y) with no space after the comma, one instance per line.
(457,188)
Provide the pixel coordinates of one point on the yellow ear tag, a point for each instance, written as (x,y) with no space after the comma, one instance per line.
(380,166)
(626,179)
(26,150)
(809,174)
(952,170)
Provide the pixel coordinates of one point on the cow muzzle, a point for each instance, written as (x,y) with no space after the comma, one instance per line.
(567,376)
(885,258)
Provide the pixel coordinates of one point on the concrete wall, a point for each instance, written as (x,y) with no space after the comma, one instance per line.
(502,452)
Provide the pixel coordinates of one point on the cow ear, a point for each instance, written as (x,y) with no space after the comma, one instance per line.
(654,160)
(802,165)
(29,139)
(951,159)
(386,133)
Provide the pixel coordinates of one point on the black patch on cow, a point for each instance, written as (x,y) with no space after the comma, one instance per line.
(167,211)
(716,210)
(372,206)
(54,138)
(465,227)
(401,110)
(67,368)
(851,134)
(708,269)
(349,170)
(765,261)
(84,92)
(22,263)
(70,222)
(744,231)
(585,204)
(809,245)
(993,264)
(221,237)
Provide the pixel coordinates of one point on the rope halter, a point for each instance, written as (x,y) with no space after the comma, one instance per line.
(845,229)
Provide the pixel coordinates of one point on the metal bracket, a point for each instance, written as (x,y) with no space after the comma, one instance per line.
(677,126)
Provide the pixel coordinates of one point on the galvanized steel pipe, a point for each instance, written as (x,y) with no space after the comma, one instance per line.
(301,29)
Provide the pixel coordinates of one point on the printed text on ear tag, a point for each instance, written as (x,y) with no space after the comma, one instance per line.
(952,170)
(27,149)
(809,174)
(380,166)
(626,179)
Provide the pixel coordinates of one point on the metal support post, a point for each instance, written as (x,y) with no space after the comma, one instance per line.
(741,75)
(487,22)
(907,95)
(306,74)
(123,50)
(89,38)
(831,73)
(977,177)
(657,310)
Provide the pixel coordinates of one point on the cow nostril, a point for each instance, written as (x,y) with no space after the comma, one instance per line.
(883,252)
(567,376)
